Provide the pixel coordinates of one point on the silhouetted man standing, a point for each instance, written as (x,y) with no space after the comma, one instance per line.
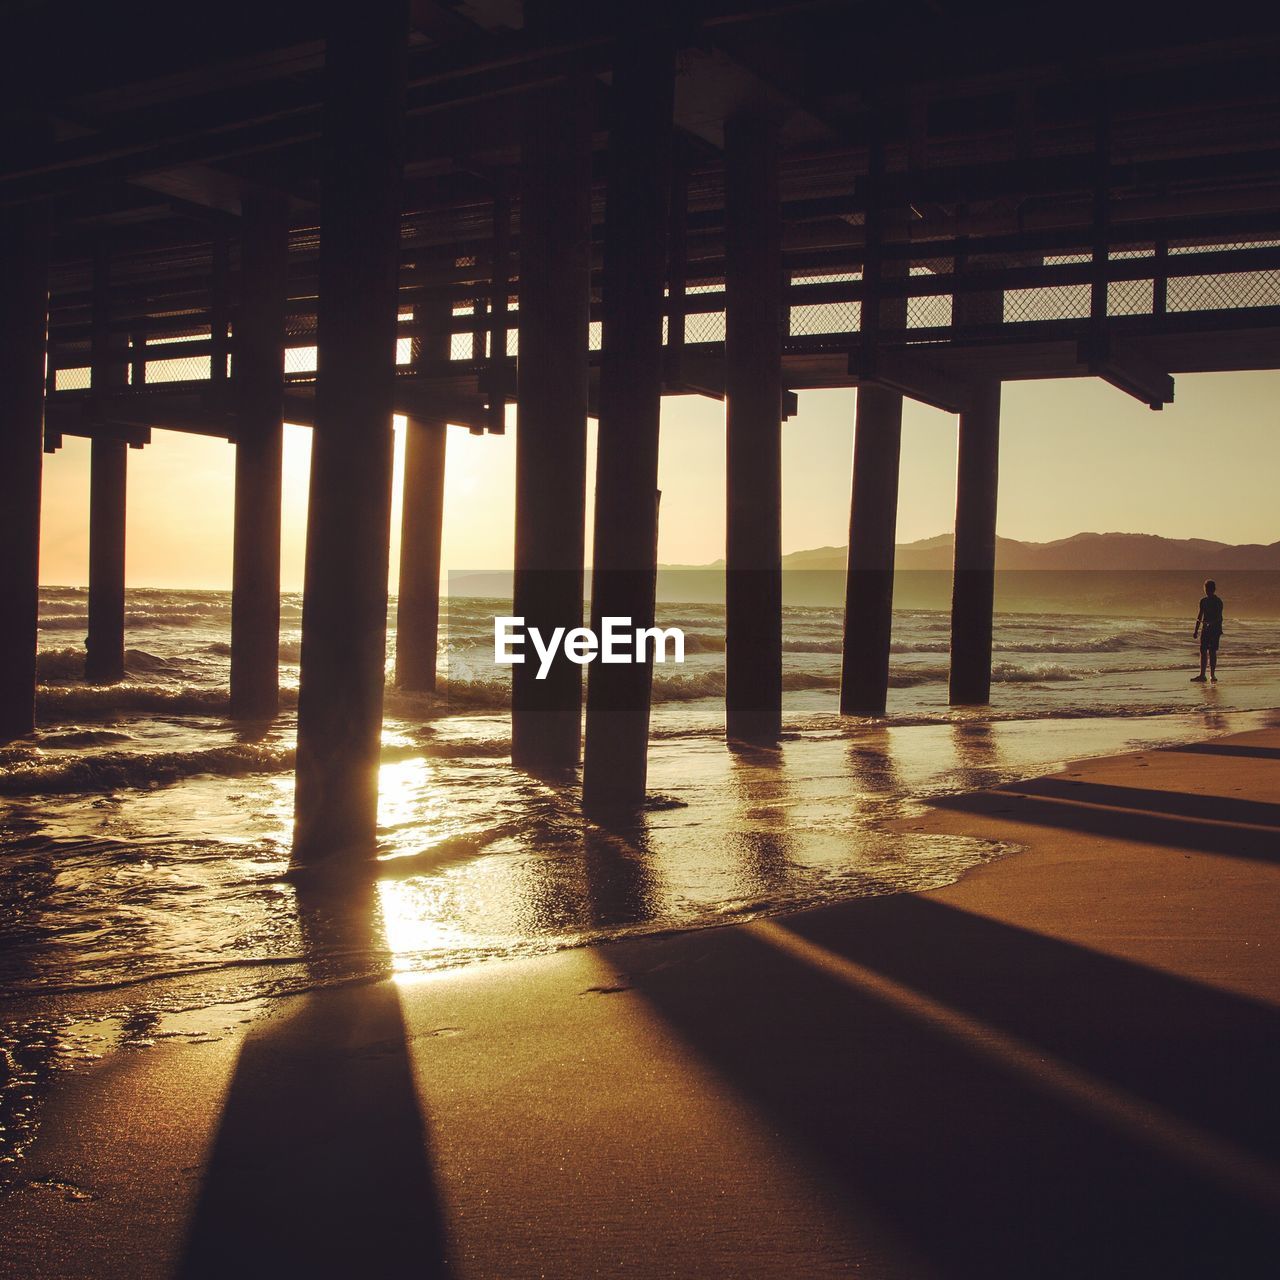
(1209,629)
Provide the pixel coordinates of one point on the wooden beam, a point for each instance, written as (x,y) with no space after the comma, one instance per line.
(911,376)
(1128,369)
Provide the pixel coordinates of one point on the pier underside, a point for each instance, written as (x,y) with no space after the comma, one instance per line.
(323,217)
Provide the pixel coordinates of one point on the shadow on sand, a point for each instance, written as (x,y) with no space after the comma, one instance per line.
(1181,820)
(978,1155)
(1227,749)
(321,1165)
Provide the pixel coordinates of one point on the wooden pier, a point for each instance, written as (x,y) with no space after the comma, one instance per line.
(434,204)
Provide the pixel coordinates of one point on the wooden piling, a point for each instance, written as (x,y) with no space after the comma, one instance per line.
(973,588)
(422,506)
(421,527)
(344,613)
(873,517)
(108,486)
(624,553)
(24,305)
(258,388)
(551,432)
(753,395)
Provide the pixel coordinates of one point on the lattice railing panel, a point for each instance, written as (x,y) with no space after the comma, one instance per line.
(1226,291)
(931,312)
(299,360)
(825,317)
(809,319)
(181,369)
(1056,302)
(1224,286)
(71,379)
(706,327)
(1130,297)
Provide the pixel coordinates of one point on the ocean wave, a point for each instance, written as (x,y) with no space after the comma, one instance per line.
(450,695)
(907,677)
(701,642)
(84,738)
(59,664)
(1089,644)
(60,702)
(290,650)
(1036,673)
(1086,644)
(495,695)
(688,685)
(1048,714)
(812,645)
(454,694)
(710,684)
(469,749)
(188,616)
(118,770)
(56,665)
(141,660)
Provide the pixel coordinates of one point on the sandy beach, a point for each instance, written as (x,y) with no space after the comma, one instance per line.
(605,669)
(1062,1065)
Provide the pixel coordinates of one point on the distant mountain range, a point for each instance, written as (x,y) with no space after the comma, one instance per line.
(1116,574)
(1091,551)
(1131,574)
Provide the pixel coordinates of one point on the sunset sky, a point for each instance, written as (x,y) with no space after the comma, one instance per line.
(1075,455)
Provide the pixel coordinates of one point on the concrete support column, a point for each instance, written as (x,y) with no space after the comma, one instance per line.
(421,522)
(753,396)
(624,559)
(551,436)
(24,306)
(259,396)
(973,592)
(873,517)
(108,485)
(344,613)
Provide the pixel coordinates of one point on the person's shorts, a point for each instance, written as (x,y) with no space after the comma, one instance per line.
(1209,638)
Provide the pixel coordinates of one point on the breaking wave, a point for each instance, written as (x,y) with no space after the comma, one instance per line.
(60,702)
(59,664)
(54,665)
(908,677)
(810,645)
(700,642)
(119,770)
(1036,673)
(1087,644)
(290,650)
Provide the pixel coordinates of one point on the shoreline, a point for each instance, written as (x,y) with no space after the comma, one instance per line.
(968,1080)
(35,1003)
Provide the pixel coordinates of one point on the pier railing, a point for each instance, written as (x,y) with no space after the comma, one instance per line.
(165,335)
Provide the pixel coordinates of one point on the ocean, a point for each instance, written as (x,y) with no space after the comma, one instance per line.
(144,837)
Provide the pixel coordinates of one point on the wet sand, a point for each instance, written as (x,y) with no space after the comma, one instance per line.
(1065,1064)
